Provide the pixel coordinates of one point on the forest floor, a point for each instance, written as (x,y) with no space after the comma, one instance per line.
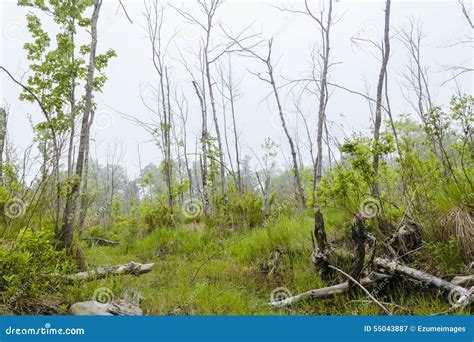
(201,272)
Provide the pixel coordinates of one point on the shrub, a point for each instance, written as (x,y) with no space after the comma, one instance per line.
(31,266)
(242,210)
(155,216)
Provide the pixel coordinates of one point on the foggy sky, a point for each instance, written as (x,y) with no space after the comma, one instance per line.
(294,36)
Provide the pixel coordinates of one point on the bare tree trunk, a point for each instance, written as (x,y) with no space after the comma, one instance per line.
(229,86)
(84,200)
(218,133)
(321,254)
(72,118)
(204,138)
(323,90)
(67,229)
(380,87)
(154,17)
(236,139)
(183,114)
(168,161)
(466,14)
(296,171)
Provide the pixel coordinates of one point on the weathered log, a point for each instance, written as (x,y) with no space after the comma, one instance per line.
(100,241)
(115,308)
(395,267)
(359,236)
(329,291)
(320,256)
(101,272)
(380,305)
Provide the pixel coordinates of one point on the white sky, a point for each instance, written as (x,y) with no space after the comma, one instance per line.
(443,23)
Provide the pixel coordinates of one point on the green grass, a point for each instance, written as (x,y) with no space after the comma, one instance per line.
(200,273)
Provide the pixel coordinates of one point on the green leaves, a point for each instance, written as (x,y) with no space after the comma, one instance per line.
(58,68)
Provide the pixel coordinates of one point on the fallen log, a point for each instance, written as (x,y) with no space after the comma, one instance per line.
(395,267)
(100,241)
(380,305)
(101,272)
(116,308)
(329,291)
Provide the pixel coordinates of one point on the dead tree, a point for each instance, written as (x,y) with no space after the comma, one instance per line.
(133,268)
(264,177)
(154,15)
(271,80)
(111,177)
(183,113)
(324,22)
(230,93)
(204,138)
(466,14)
(417,80)
(320,256)
(209,54)
(416,76)
(380,88)
(209,9)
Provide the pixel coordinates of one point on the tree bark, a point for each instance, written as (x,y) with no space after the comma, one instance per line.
(204,138)
(326,292)
(428,279)
(67,230)
(296,170)
(380,87)
(320,256)
(101,272)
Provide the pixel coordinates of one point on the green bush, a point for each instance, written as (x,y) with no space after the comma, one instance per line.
(442,259)
(242,210)
(155,216)
(31,266)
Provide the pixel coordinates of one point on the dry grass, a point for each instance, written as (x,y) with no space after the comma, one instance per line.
(459,222)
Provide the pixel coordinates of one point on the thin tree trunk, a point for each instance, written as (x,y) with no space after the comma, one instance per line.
(168,163)
(380,87)
(321,254)
(218,133)
(67,229)
(236,140)
(204,138)
(296,171)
